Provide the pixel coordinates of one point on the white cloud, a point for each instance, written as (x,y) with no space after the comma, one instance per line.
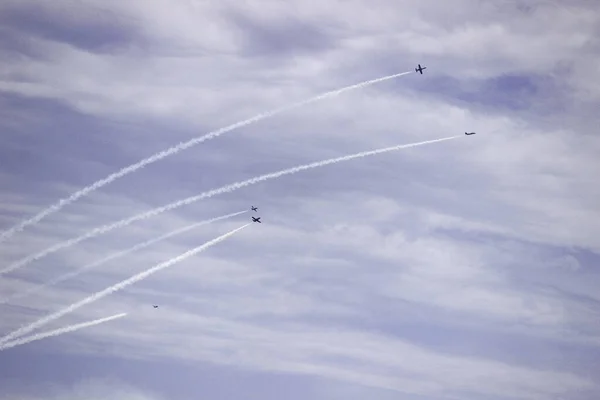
(367,358)
(204,308)
(92,389)
(483,235)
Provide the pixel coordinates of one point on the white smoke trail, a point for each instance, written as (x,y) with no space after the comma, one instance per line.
(182,146)
(121,285)
(205,195)
(119,254)
(56,332)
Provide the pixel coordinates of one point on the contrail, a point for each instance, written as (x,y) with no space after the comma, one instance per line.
(211,193)
(57,332)
(119,254)
(121,285)
(182,146)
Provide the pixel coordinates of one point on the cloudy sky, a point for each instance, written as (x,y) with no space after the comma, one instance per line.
(465,269)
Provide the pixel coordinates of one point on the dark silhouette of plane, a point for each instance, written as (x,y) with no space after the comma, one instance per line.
(155,306)
(472,133)
(254,208)
(256,220)
(420,69)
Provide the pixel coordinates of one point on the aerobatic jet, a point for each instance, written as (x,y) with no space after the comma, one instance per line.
(254,208)
(256,220)
(472,133)
(420,69)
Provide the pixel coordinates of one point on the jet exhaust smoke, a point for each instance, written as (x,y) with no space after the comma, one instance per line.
(119,254)
(57,332)
(211,193)
(121,285)
(182,146)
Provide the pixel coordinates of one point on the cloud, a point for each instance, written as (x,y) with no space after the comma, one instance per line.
(281,309)
(366,358)
(93,389)
(455,271)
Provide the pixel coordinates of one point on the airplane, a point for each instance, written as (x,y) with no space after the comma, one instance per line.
(472,133)
(256,220)
(155,306)
(420,69)
(254,208)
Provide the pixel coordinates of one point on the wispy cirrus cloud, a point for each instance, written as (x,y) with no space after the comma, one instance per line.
(437,272)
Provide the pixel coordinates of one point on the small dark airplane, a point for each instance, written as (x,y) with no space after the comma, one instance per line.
(155,306)
(420,69)
(472,133)
(256,220)
(254,208)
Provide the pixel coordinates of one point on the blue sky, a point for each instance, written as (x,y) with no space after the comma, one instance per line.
(464,269)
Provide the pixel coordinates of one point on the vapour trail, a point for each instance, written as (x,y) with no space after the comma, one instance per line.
(56,332)
(182,146)
(119,254)
(205,195)
(121,285)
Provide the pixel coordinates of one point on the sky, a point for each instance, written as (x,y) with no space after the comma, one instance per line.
(465,269)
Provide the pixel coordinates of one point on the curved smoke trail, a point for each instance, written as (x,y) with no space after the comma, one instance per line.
(119,254)
(121,285)
(205,195)
(56,332)
(176,149)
